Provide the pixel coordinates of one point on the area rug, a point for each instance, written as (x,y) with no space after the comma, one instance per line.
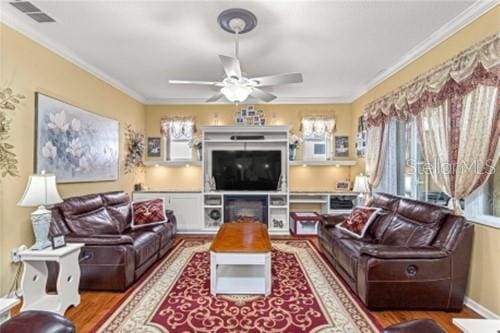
(307,296)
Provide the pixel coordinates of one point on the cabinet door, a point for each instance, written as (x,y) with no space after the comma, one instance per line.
(187,210)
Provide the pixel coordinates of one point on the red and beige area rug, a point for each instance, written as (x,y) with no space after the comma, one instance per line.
(307,296)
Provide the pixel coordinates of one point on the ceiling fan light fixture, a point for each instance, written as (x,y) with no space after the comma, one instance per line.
(236,93)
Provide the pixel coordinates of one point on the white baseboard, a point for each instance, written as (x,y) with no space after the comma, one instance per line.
(480,309)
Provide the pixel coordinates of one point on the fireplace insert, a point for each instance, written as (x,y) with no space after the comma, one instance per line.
(244,208)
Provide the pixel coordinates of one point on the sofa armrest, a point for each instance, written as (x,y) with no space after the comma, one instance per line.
(402,252)
(99,239)
(329,221)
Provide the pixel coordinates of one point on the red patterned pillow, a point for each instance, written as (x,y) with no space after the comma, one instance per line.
(358,222)
(147,213)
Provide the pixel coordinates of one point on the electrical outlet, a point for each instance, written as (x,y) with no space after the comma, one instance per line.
(14,253)
(14,256)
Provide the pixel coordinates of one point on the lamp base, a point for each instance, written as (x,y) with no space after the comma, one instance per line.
(40,219)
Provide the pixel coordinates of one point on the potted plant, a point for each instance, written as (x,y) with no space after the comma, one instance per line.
(293,142)
(195,143)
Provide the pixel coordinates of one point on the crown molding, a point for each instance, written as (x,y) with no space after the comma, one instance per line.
(469,15)
(18,24)
(279,100)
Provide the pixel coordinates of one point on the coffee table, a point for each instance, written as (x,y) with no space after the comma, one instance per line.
(240,259)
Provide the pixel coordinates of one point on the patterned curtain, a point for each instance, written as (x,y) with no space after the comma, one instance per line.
(459,140)
(376,147)
(484,56)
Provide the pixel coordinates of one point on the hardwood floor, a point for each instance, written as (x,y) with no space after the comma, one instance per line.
(94,305)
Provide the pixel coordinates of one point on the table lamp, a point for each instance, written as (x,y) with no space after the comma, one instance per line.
(361,185)
(40,191)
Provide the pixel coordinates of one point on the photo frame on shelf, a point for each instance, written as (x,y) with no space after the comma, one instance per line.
(154,147)
(342,185)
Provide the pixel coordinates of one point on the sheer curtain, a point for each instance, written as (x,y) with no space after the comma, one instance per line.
(376,145)
(389,179)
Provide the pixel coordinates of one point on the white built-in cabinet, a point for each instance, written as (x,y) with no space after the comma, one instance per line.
(186,207)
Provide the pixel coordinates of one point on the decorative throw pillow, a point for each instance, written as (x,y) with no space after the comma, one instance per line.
(147,213)
(358,222)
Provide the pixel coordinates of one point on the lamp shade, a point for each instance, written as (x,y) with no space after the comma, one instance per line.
(361,184)
(236,93)
(40,190)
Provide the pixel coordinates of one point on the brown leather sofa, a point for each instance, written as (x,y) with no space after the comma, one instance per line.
(414,256)
(114,255)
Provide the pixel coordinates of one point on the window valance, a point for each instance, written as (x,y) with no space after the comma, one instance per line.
(479,64)
(178,128)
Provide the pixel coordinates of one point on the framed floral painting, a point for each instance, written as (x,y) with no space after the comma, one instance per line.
(74,144)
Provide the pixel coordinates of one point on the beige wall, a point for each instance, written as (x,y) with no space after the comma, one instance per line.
(484,286)
(28,67)
(301,178)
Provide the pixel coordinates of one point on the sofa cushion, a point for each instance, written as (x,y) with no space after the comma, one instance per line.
(389,204)
(164,231)
(86,215)
(146,245)
(122,215)
(415,224)
(358,221)
(115,198)
(148,212)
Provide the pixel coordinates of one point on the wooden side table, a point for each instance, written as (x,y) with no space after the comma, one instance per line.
(35,274)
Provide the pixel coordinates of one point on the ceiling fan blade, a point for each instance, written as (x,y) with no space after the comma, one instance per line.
(231,66)
(278,79)
(262,95)
(205,83)
(215,97)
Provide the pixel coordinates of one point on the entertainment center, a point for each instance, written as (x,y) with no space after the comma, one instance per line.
(245,173)
(249,168)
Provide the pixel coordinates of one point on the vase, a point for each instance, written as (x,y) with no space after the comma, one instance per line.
(198,154)
(292,153)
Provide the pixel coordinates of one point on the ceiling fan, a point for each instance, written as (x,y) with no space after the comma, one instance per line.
(237,87)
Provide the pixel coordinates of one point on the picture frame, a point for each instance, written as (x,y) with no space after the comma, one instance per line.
(249,116)
(58,241)
(154,147)
(74,144)
(342,146)
(342,185)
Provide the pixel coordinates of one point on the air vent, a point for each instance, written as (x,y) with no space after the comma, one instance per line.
(25,7)
(41,17)
(32,11)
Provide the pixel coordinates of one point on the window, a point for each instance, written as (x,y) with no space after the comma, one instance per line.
(178,132)
(405,172)
(413,178)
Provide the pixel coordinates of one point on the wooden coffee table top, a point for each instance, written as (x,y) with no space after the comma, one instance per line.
(242,237)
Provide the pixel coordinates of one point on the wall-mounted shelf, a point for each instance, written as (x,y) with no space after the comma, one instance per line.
(178,163)
(323,163)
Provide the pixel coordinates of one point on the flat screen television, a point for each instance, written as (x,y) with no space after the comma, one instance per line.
(246,170)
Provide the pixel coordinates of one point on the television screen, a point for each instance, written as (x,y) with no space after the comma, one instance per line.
(246,170)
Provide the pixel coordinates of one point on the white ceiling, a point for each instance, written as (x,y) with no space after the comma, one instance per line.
(341,47)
